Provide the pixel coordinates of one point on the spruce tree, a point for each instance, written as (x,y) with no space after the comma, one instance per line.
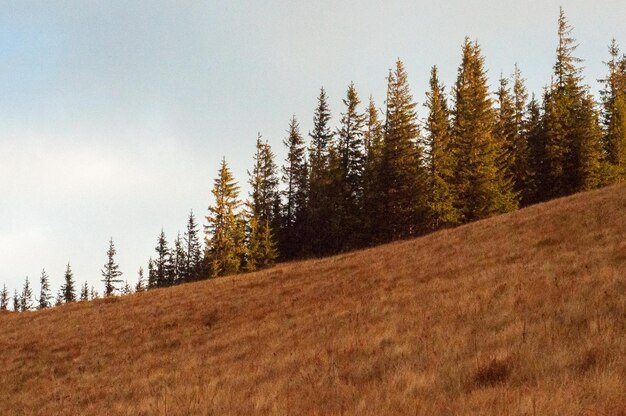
(224,231)
(614,114)
(58,300)
(44,294)
(321,198)
(295,181)
(537,165)
(163,262)
(16,301)
(402,171)
(263,207)
(68,291)
(179,261)
(111,273)
(193,255)
(442,211)
(482,187)
(141,284)
(126,289)
(152,276)
(374,200)
(93,293)
(84,292)
(351,177)
(4,298)
(26,299)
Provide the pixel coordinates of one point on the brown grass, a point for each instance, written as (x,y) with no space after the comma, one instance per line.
(523,314)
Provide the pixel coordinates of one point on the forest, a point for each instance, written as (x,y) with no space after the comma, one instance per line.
(379,176)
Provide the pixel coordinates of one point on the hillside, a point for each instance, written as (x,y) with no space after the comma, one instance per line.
(522,314)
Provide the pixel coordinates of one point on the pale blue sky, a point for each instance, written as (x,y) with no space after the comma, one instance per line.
(115,114)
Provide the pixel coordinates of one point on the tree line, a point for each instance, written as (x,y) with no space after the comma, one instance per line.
(380,176)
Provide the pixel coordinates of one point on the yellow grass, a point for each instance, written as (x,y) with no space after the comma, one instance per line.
(523,314)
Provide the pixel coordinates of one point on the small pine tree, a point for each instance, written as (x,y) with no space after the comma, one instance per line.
(141,285)
(193,255)
(16,301)
(68,290)
(262,251)
(179,262)
(163,263)
(93,293)
(152,275)
(44,295)
(126,289)
(26,299)
(4,298)
(84,292)
(111,273)
(58,300)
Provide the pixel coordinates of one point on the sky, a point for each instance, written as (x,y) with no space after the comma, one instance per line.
(114,114)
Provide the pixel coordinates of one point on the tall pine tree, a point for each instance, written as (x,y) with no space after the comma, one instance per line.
(193,254)
(26,298)
(224,231)
(482,186)
(68,290)
(44,294)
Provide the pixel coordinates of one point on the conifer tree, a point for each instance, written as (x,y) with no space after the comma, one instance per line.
(68,291)
(111,273)
(152,276)
(193,255)
(163,262)
(535,138)
(403,175)
(351,151)
(483,189)
(263,207)
(4,298)
(224,231)
(58,300)
(179,261)
(126,289)
(614,114)
(26,299)
(295,180)
(442,211)
(93,293)
(262,251)
(141,285)
(44,294)
(321,199)
(374,201)
(84,292)
(16,301)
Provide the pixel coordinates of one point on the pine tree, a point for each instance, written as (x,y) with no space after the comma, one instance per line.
(224,231)
(614,114)
(351,177)
(152,276)
(535,138)
(374,201)
(4,298)
(262,251)
(403,175)
(442,211)
(522,169)
(93,293)
(111,273)
(295,180)
(321,199)
(16,301)
(26,299)
(58,300)
(588,145)
(179,261)
(68,292)
(263,207)
(126,289)
(483,189)
(163,263)
(44,294)
(84,292)
(193,255)
(141,285)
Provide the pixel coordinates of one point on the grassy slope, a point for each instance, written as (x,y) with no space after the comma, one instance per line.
(520,314)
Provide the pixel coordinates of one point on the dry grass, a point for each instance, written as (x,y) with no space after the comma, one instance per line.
(523,314)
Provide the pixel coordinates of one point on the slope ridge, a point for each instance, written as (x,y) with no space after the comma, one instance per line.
(524,313)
